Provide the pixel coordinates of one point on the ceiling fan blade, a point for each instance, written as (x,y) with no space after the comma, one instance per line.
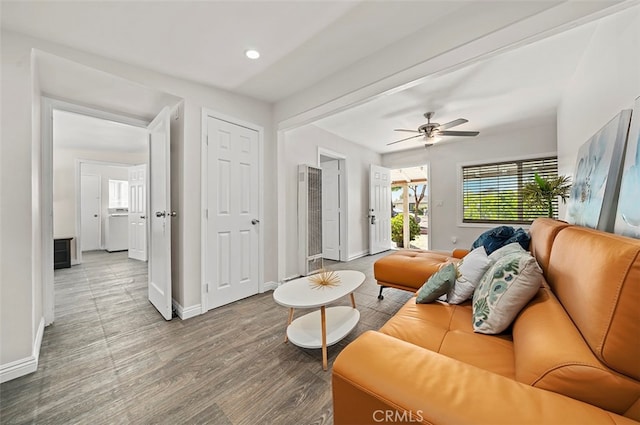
(404,129)
(452,123)
(402,140)
(458,133)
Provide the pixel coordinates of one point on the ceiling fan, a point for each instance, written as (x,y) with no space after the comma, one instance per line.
(431,130)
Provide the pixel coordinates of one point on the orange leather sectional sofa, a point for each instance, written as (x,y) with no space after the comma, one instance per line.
(572,355)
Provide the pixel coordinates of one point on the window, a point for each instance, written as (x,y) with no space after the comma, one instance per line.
(118,194)
(491,193)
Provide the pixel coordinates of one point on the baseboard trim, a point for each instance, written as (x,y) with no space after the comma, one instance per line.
(186,313)
(38,342)
(26,365)
(358,255)
(269,286)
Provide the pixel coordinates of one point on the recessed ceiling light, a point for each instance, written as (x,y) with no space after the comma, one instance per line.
(252,54)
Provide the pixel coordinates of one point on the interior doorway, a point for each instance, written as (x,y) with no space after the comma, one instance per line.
(74,136)
(410,203)
(334,205)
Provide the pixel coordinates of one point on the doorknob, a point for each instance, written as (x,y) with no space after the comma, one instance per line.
(161,214)
(173,214)
(142,216)
(254,221)
(95,215)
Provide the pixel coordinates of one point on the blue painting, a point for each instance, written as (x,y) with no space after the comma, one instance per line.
(592,202)
(628,214)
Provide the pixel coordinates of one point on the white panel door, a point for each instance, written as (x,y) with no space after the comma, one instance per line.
(138,212)
(90,212)
(160,214)
(331,210)
(232,246)
(379,209)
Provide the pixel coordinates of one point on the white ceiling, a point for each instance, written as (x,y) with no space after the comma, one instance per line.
(512,90)
(304,43)
(81,132)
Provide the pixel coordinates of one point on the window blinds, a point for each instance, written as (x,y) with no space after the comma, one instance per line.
(492,192)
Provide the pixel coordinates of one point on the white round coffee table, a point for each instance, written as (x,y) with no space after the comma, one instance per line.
(326,326)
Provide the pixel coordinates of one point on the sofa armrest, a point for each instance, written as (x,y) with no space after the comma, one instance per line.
(459,253)
(381,379)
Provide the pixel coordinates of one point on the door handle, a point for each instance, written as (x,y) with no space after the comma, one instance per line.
(161,214)
(95,215)
(255,221)
(143,216)
(173,214)
(373,219)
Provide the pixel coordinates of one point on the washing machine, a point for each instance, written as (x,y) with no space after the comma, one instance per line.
(117,230)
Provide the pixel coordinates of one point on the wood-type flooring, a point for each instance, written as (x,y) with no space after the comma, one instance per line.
(110,358)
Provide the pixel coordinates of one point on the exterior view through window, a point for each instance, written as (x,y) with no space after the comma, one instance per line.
(492,193)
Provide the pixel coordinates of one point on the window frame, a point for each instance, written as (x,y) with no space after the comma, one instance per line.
(489,162)
(123,186)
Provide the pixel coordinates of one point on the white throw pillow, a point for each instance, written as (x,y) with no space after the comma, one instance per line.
(505,289)
(470,271)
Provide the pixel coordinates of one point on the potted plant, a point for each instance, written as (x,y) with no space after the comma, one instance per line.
(542,191)
(397,229)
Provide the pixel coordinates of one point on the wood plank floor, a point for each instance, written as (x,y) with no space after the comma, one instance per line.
(110,357)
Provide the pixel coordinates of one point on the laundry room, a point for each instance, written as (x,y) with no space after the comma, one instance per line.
(99,190)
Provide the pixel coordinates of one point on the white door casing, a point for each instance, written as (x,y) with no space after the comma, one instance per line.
(331,210)
(232,245)
(379,209)
(159,214)
(90,211)
(138,212)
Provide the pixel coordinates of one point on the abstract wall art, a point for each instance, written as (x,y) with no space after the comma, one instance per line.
(628,212)
(596,178)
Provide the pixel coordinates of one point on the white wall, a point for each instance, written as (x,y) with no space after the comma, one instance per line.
(606,81)
(64,183)
(444,162)
(17,309)
(301,147)
(17,312)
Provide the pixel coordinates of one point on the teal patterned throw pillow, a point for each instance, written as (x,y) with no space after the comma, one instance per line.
(438,284)
(504,290)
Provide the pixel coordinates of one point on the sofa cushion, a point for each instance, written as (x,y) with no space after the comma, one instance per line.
(470,271)
(596,277)
(408,269)
(506,287)
(447,329)
(551,354)
(438,284)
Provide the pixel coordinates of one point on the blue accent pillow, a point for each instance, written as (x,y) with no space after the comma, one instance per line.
(522,237)
(500,236)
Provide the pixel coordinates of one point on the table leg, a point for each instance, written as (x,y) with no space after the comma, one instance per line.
(353,300)
(286,339)
(323,318)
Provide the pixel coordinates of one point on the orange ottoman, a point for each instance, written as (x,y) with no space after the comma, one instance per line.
(409,269)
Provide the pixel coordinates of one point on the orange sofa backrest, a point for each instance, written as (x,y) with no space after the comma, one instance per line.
(543,231)
(596,277)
